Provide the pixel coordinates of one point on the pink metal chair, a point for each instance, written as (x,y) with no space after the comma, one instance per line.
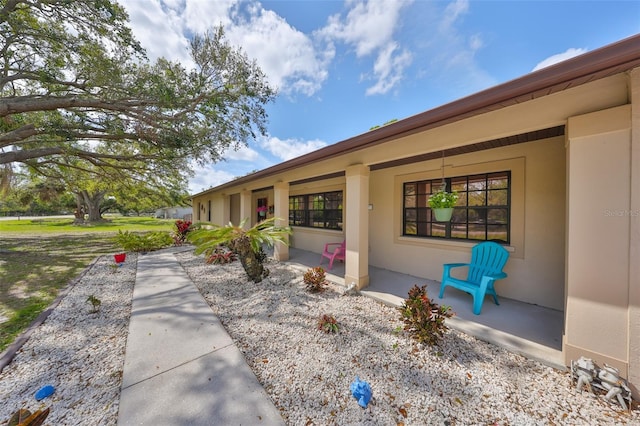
(336,253)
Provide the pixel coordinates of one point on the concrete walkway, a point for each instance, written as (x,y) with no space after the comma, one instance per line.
(181,366)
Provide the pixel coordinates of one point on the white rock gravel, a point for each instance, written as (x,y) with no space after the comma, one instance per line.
(305,371)
(79,352)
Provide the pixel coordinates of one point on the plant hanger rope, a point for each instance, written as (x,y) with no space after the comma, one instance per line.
(443,184)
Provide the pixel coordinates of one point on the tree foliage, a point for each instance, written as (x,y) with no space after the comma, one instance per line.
(77,93)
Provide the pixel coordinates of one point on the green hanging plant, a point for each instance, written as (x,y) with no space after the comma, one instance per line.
(443,200)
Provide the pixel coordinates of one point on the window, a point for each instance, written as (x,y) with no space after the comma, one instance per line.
(482,212)
(323,210)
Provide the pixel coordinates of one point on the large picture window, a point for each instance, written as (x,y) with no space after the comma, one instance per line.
(482,211)
(322,210)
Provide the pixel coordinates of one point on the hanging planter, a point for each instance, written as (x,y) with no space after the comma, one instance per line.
(444,214)
(442,203)
(262,211)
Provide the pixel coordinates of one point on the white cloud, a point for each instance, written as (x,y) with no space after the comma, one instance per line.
(242,154)
(206,177)
(452,13)
(552,60)
(159,29)
(448,54)
(449,36)
(286,149)
(388,68)
(202,15)
(475,42)
(287,56)
(369,27)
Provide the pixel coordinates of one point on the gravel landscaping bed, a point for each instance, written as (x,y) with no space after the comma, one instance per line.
(306,371)
(79,352)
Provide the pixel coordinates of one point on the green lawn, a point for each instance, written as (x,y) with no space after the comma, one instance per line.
(50,226)
(40,257)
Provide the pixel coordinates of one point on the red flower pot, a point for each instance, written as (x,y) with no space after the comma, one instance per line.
(120,257)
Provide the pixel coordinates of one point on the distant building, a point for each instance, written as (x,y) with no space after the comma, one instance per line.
(183,213)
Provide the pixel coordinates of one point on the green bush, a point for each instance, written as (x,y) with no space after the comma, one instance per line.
(423,318)
(149,241)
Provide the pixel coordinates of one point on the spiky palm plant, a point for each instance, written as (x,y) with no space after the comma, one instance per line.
(245,243)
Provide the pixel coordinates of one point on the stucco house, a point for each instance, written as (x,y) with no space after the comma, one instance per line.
(547,165)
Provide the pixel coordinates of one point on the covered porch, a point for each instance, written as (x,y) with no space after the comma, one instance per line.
(530,330)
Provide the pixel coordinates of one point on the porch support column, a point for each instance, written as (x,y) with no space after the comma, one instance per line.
(281,213)
(226,210)
(196,211)
(357,226)
(246,209)
(634,235)
(600,220)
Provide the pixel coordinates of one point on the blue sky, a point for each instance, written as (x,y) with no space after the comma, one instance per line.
(342,67)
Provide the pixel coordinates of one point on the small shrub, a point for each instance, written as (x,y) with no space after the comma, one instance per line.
(156,240)
(150,241)
(95,303)
(180,233)
(315,279)
(328,324)
(221,256)
(423,318)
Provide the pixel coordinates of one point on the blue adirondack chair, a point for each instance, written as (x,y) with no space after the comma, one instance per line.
(487,260)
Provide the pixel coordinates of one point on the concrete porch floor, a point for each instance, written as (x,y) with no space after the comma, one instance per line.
(530,330)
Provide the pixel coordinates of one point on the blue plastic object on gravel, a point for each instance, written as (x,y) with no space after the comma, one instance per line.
(44,392)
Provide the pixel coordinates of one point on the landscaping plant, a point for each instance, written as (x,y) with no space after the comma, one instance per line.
(24,417)
(220,256)
(182,228)
(95,303)
(424,319)
(328,324)
(245,243)
(145,242)
(315,279)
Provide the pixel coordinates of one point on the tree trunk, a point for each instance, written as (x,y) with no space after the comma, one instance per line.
(79,211)
(250,262)
(93,201)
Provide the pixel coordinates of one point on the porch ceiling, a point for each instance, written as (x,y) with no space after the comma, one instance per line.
(494,143)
